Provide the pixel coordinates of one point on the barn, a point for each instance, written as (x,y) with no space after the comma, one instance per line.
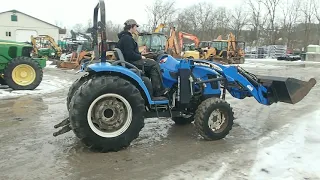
(18,26)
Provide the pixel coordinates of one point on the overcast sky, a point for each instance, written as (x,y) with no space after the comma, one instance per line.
(70,12)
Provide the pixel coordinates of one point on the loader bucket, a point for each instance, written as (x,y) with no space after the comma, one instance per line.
(68,65)
(287,90)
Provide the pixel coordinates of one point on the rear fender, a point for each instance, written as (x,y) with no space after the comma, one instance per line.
(107,67)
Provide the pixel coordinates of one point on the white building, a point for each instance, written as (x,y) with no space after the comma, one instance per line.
(18,26)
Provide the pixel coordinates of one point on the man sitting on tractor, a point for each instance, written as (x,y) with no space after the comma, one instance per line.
(131,54)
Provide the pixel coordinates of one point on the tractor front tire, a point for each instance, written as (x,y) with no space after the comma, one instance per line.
(206,112)
(75,85)
(107,113)
(23,73)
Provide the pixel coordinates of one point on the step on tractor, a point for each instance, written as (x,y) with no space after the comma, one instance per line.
(108,104)
(17,69)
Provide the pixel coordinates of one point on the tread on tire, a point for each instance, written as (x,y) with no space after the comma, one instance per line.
(86,94)
(18,61)
(75,85)
(202,117)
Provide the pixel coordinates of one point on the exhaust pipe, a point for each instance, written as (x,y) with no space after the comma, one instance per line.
(287,90)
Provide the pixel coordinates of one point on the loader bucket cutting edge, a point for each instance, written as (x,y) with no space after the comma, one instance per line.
(287,90)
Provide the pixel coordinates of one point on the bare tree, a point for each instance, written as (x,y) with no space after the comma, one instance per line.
(258,19)
(187,20)
(160,12)
(290,19)
(112,31)
(203,16)
(222,22)
(79,28)
(238,20)
(316,7)
(271,6)
(307,15)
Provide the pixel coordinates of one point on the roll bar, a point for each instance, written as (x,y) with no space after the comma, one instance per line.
(99,28)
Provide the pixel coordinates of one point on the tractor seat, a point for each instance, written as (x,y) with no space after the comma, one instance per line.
(120,59)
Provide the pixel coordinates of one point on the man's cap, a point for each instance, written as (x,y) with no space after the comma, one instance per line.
(131,22)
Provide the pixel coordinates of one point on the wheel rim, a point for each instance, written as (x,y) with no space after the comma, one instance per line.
(23,75)
(218,121)
(109,115)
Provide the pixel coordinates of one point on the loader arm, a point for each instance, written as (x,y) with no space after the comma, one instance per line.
(172,43)
(34,45)
(265,89)
(54,45)
(192,37)
(161,26)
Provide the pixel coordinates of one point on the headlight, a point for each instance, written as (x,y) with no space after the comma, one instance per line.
(53,54)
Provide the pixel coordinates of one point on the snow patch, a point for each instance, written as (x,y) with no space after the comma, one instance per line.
(197,170)
(259,65)
(280,62)
(295,157)
(49,64)
(219,174)
(49,84)
(270,60)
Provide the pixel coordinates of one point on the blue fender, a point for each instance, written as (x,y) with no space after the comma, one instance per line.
(107,67)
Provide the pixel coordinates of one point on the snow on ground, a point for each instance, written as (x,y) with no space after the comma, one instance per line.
(271,63)
(293,157)
(279,62)
(289,153)
(49,84)
(257,63)
(48,64)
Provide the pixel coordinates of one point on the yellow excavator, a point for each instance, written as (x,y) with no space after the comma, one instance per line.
(230,50)
(45,46)
(200,52)
(161,26)
(172,46)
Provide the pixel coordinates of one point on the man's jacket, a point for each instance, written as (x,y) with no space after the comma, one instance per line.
(128,46)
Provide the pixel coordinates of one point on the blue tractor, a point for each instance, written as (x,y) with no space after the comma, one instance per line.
(107,106)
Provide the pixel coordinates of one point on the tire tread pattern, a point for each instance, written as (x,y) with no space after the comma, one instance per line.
(23,60)
(202,115)
(93,88)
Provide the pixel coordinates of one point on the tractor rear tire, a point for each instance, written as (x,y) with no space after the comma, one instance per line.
(2,81)
(27,67)
(75,85)
(87,107)
(203,116)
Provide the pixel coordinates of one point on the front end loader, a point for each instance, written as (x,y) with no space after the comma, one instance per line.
(107,105)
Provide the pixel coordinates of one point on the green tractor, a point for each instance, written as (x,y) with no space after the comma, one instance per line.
(17,69)
(47,52)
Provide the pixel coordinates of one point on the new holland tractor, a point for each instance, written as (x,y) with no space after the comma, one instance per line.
(17,69)
(107,106)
